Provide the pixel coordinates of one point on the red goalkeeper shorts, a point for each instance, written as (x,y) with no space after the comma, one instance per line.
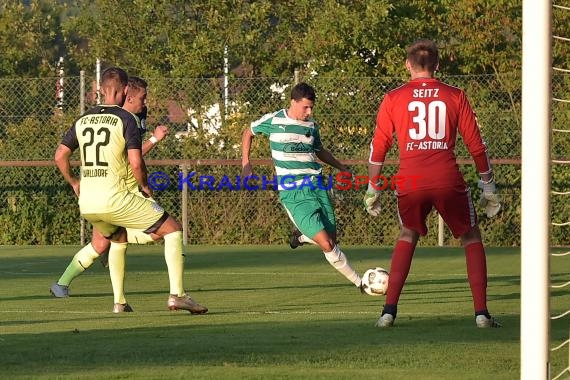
(453,204)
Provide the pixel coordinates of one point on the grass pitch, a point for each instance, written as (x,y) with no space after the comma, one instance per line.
(274,313)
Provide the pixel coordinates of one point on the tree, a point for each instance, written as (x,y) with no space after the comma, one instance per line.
(153,38)
(482,37)
(30,37)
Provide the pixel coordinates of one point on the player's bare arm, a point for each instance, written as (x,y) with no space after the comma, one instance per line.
(246,140)
(328,158)
(139,170)
(159,134)
(62,155)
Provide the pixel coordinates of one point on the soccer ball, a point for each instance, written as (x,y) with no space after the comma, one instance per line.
(375,281)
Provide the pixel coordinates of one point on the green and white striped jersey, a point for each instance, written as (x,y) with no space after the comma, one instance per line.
(293,145)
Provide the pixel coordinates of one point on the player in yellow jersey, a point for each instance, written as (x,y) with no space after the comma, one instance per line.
(134,103)
(109,141)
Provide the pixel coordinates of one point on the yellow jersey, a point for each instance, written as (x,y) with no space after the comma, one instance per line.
(103,136)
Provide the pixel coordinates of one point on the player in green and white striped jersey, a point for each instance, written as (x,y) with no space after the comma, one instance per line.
(295,144)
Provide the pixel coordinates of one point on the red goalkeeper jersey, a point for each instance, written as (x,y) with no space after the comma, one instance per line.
(426,115)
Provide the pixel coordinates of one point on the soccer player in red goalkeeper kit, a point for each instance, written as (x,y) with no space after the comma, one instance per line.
(426,115)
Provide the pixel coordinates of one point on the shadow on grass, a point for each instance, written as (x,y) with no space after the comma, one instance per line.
(18,261)
(200,341)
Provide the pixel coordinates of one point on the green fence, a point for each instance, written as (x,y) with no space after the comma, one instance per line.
(206,119)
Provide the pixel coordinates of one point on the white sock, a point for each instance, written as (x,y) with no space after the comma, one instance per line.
(117,253)
(86,256)
(306,239)
(174,262)
(338,260)
(138,237)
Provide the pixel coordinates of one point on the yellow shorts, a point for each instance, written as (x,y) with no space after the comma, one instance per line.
(129,210)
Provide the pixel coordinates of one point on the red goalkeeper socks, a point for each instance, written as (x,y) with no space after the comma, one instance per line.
(399,269)
(477,274)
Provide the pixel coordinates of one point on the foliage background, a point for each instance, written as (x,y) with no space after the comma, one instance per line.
(179,47)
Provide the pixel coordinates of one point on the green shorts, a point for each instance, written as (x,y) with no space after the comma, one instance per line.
(129,210)
(310,210)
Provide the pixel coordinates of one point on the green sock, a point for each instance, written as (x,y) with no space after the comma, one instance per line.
(81,261)
(117,253)
(174,262)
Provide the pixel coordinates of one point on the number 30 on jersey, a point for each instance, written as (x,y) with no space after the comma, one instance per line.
(430,120)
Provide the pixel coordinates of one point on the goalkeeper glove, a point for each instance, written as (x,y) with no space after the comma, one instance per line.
(372,200)
(490,200)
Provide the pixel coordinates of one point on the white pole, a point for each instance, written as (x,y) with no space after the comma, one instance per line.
(82,226)
(81,92)
(226,80)
(535,189)
(98,79)
(59,85)
(440,230)
(184,195)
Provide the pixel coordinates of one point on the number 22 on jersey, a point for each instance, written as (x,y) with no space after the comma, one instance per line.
(92,155)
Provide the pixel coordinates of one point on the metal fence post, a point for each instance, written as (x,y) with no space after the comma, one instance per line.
(440,230)
(184,198)
(81,111)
